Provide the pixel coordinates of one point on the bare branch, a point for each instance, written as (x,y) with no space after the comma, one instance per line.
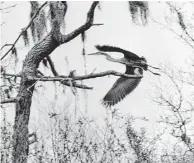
(67,83)
(97,24)
(12,75)
(6,45)
(11,100)
(25,29)
(6,8)
(65,79)
(52,66)
(84,77)
(181,21)
(179,35)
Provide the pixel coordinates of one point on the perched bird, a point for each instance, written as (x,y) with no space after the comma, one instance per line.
(124,85)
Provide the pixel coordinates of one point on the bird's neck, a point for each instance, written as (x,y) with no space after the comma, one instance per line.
(122,60)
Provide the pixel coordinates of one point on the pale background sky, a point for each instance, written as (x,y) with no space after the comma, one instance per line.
(156,44)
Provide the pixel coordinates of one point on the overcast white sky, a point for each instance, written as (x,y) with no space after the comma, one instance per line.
(154,43)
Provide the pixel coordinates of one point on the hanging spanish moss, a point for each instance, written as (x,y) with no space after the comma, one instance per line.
(38,26)
(15,55)
(25,37)
(139,8)
(73,89)
(99,6)
(57,16)
(83,37)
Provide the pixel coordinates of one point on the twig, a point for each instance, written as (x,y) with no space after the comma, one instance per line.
(181,21)
(93,71)
(11,100)
(1,9)
(25,29)
(180,36)
(76,85)
(6,45)
(97,24)
(67,83)
(52,66)
(12,75)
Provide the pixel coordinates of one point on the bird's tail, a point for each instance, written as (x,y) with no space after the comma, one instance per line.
(107,48)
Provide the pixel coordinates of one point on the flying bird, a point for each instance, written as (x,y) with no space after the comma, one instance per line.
(124,85)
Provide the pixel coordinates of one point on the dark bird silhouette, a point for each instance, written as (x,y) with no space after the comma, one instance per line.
(124,85)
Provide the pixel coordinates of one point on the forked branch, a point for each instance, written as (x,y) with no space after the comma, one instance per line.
(89,22)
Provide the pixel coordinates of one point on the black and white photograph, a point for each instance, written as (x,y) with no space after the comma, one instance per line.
(97,81)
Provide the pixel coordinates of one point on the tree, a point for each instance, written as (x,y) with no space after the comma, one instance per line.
(178,104)
(44,46)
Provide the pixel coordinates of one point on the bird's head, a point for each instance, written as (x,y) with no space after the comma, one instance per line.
(144,62)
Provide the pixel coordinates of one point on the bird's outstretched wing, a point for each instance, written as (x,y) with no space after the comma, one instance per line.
(127,54)
(122,87)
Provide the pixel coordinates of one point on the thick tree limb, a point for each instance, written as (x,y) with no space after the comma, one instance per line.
(89,22)
(25,29)
(11,100)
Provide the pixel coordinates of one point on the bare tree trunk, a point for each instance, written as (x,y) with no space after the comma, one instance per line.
(30,65)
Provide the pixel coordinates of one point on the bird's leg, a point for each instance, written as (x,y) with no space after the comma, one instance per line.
(138,63)
(154,72)
(144,63)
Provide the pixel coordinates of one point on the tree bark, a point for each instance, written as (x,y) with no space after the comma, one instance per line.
(24,97)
